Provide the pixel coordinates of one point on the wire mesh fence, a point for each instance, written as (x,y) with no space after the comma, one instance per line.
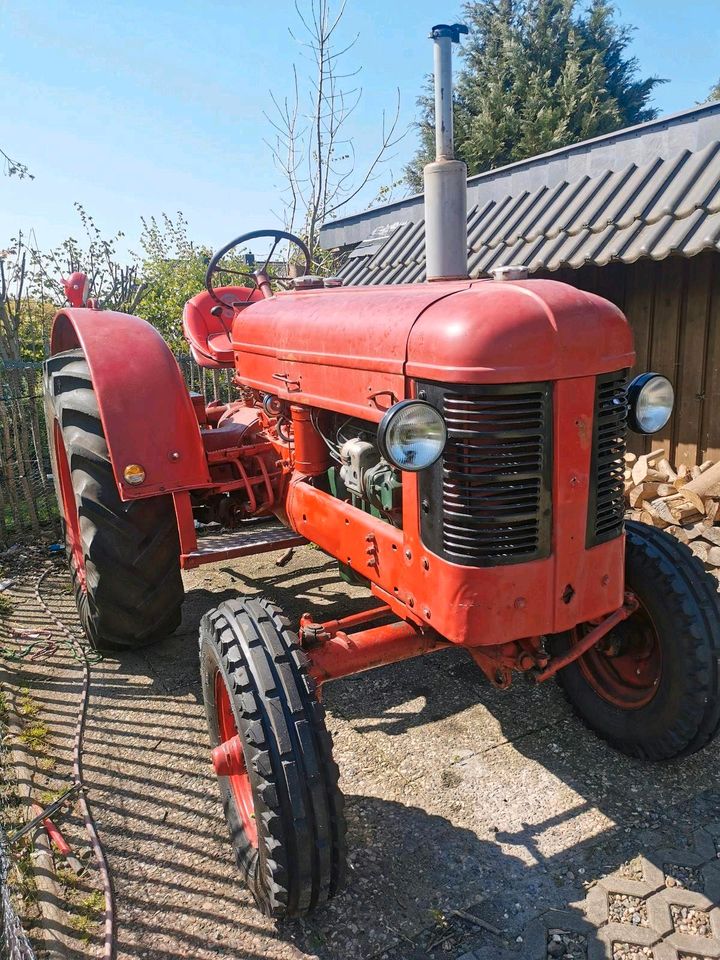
(14,944)
(212,384)
(27,498)
(28,507)
(15,887)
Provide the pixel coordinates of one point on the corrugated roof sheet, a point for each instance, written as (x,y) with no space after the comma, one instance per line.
(662,206)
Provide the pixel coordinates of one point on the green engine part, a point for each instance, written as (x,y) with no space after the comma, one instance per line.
(384,501)
(384,488)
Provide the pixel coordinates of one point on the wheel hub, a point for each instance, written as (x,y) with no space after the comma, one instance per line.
(625,667)
(228,760)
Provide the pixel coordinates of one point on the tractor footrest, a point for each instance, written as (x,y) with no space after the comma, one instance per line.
(241,543)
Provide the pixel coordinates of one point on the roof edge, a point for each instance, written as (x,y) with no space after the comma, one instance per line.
(626,133)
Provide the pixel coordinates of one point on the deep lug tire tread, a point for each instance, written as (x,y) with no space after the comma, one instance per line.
(690,596)
(131,550)
(299,809)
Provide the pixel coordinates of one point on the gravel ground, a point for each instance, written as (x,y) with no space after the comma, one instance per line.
(687,920)
(679,875)
(471,811)
(625,951)
(624,909)
(566,945)
(632,870)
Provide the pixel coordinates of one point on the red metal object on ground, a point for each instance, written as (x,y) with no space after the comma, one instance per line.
(61,844)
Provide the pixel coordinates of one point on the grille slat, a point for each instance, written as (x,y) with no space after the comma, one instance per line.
(491,491)
(606,506)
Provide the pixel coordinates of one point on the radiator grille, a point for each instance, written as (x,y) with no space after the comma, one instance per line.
(488,500)
(606,502)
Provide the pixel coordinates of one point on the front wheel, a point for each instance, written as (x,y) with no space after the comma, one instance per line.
(651,687)
(273,756)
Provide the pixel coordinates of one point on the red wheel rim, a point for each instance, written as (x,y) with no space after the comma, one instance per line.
(235,769)
(625,667)
(69,507)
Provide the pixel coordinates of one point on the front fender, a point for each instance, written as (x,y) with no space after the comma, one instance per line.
(145,407)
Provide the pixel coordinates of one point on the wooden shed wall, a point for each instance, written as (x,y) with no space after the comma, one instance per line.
(673,307)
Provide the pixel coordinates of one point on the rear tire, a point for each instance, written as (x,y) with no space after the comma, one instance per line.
(655,691)
(124,557)
(291,852)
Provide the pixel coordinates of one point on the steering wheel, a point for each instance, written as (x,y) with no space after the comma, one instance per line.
(259,275)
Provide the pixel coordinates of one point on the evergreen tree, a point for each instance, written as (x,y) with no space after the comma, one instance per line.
(713,93)
(537,75)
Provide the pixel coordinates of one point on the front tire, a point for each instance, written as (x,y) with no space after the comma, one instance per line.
(124,557)
(651,687)
(279,782)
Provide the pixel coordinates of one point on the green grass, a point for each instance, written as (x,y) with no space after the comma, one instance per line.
(67,878)
(26,705)
(15,525)
(34,733)
(89,911)
(6,606)
(49,796)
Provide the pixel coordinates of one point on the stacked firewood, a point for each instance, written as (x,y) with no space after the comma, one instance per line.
(684,501)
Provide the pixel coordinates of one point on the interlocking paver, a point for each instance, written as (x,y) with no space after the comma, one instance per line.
(711,878)
(684,943)
(671,890)
(539,933)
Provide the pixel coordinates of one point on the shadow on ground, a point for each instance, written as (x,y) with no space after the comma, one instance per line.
(497,805)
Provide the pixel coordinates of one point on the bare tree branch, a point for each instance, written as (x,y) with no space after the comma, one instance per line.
(313,148)
(13,168)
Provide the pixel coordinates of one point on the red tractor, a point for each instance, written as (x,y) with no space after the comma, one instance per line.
(456,445)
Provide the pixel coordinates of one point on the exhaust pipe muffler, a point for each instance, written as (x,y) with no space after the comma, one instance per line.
(446,178)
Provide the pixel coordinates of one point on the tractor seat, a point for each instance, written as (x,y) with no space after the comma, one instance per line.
(207,332)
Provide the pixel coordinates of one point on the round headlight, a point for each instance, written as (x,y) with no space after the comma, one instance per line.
(650,402)
(412,435)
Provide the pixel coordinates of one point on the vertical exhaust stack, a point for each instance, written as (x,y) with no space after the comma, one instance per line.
(445,178)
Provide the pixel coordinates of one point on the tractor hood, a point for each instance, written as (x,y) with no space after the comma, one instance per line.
(355,349)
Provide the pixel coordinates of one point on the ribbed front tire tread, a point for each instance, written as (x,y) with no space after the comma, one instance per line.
(300,859)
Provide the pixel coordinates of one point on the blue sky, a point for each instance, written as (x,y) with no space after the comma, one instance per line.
(135,108)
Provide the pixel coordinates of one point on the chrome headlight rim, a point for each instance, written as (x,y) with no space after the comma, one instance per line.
(386,424)
(634,392)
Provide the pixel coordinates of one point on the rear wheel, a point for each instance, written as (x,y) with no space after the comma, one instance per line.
(651,687)
(273,756)
(124,557)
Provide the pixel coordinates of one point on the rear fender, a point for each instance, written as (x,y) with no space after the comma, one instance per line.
(145,407)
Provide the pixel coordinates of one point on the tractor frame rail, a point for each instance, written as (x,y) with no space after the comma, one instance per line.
(336,653)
